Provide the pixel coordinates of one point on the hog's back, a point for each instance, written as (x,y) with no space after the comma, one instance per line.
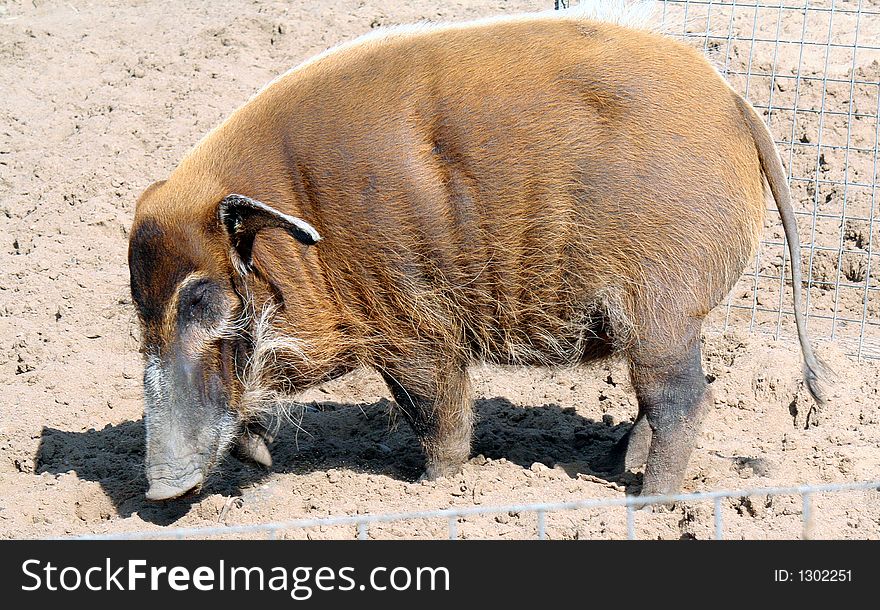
(504,187)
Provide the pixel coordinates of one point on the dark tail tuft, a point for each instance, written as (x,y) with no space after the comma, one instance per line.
(817,376)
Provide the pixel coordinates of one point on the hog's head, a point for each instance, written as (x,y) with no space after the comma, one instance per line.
(188,266)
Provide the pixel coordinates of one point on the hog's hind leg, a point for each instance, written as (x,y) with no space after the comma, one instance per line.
(631,451)
(672,395)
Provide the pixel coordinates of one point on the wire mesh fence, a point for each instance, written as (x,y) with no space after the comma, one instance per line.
(456,518)
(812,68)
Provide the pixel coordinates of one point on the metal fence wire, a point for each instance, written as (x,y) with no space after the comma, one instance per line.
(812,68)
(457,517)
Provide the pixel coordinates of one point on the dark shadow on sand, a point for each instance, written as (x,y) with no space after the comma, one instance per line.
(360,437)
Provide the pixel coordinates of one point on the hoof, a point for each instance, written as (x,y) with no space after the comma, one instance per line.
(434,472)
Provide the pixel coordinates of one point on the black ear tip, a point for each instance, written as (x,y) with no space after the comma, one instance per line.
(303,232)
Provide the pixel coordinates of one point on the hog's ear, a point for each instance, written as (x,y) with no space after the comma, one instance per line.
(243,217)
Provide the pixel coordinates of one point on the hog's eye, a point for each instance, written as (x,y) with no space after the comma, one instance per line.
(199,302)
(196,305)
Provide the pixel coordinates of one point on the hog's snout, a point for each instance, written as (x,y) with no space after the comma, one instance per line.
(188,425)
(167,483)
(167,488)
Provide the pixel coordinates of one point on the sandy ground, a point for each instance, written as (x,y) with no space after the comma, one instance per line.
(101,98)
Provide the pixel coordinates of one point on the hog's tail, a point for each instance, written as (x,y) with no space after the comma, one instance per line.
(815,371)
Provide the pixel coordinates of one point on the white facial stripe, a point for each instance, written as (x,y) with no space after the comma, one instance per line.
(155,394)
(195,276)
(154,379)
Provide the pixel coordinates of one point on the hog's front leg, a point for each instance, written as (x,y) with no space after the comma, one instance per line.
(437,402)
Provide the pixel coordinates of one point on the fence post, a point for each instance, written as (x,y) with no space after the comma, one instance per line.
(805,515)
(453,527)
(630,521)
